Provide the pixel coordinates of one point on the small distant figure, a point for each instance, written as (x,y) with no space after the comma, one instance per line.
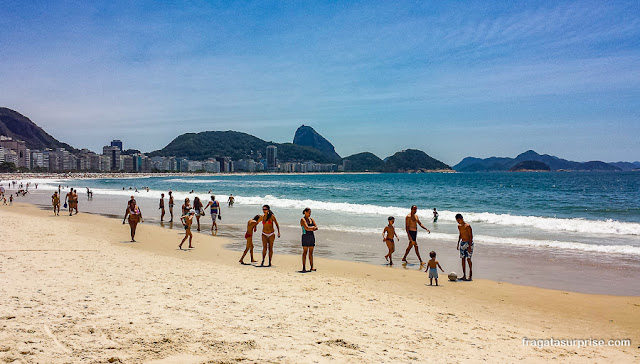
(171,203)
(308,239)
(89,194)
(435,215)
(59,190)
(465,245)
(252,227)
(432,268)
(11,199)
(191,191)
(232,200)
(136,190)
(147,189)
(36,186)
(68,201)
(411,225)
(55,200)
(388,235)
(187,220)
(161,208)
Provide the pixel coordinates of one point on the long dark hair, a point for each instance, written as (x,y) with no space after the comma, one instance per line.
(269,213)
(196,203)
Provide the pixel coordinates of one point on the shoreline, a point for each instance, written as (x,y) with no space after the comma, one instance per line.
(454,315)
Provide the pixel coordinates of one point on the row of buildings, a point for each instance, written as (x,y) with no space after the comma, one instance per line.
(113,159)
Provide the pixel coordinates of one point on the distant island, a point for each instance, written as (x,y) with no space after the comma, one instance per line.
(530,166)
(497,164)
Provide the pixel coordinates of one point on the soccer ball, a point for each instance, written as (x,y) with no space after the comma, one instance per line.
(453,276)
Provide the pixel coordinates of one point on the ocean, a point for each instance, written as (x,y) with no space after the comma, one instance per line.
(559,225)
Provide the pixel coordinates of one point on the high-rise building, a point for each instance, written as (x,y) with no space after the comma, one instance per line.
(117,143)
(272,158)
(113,152)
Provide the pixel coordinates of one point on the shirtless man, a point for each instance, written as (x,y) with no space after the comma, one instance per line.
(55,200)
(171,205)
(75,200)
(162,206)
(231,200)
(187,220)
(68,199)
(465,245)
(411,223)
(251,228)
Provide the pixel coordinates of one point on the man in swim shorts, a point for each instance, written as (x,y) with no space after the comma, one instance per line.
(411,224)
(465,245)
(171,205)
(215,213)
(55,200)
(161,207)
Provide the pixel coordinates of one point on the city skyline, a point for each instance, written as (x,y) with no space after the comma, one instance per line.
(454,80)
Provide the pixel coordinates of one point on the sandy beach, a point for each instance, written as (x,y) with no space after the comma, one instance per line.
(75,290)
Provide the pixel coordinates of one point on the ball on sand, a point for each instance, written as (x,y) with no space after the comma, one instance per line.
(453,276)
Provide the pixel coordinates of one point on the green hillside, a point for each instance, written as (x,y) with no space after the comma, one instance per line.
(413,160)
(364,162)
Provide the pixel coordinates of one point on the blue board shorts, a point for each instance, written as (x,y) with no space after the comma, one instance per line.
(464,253)
(433,273)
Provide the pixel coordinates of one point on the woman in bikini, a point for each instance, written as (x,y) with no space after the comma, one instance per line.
(252,227)
(268,234)
(135,216)
(170,204)
(308,239)
(186,207)
(197,205)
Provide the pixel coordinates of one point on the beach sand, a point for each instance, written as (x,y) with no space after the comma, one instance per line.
(75,290)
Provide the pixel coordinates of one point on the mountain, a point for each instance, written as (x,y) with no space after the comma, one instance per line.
(626,166)
(18,126)
(306,136)
(237,145)
(492,164)
(363,162)
(530,166)
(413,160)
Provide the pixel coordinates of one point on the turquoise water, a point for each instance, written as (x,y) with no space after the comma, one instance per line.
(577,211)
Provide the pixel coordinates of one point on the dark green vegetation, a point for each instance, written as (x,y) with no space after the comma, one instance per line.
(530,166)
(19,127)
(471,164)
(363,162)
(6,167)
(413,160)
(237,145)
(306,136)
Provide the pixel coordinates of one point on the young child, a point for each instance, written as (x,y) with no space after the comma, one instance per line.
(251,228)
(388,234)
(435,215)
(432,268)
(465,244)
(187,220)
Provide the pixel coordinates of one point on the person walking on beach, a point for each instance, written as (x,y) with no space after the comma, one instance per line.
(11,199)
(135,216)
(435,215)
(268,233)
(186,206)
(252,227)
(388,235)
(171,205)
(308,239)
(215,210)
(432,268)
(411,225)
(232,200)
(465,245)
(55,200)
(197,205)
(68,201)
(161,207)
(187,221)
(75,199)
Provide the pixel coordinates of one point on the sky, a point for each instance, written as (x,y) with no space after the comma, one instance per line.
(452,78)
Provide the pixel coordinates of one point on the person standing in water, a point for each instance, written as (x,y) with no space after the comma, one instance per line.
(215,211)
(161,207)
(411,225)
(252,227)
(171,205)
(268,233)
(308,239)
(465,245)
(435,215)
(231,200)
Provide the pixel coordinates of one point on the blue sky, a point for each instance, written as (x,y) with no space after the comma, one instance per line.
(451,78)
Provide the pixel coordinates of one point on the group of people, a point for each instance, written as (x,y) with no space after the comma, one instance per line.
(23,190)
(412,221)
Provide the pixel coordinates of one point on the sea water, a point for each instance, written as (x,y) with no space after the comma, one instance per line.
(587,219)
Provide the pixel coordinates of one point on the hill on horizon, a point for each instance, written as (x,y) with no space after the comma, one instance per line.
(530,166)
(308,137)
(494,164)
(20,127)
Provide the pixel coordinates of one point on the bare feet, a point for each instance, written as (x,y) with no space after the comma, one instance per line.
(386,257)
(312,270)
(254,261)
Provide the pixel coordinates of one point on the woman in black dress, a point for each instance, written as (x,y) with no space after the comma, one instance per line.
(308,238)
